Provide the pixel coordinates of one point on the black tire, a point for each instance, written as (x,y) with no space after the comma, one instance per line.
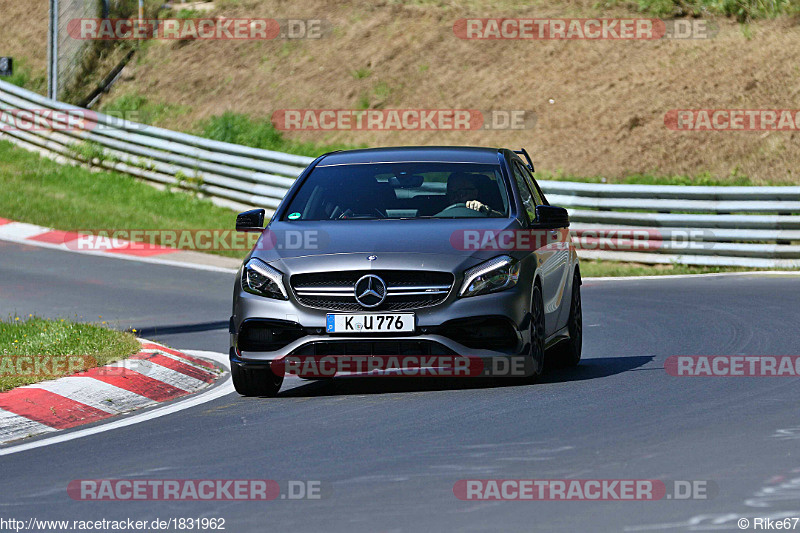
(255,381)
(567,353)
(537,351)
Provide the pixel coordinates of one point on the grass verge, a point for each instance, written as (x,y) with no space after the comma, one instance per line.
(40,191)
(591,268)
(705,179)
(35,349)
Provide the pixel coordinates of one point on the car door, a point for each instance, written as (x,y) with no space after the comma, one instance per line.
(548,256)
(559,241)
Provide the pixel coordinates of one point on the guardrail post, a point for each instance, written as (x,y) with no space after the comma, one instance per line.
(52,52)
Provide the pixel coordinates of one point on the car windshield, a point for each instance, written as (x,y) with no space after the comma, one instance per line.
(401,191)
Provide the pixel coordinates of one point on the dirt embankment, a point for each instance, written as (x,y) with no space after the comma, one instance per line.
(600,105)
(23,34)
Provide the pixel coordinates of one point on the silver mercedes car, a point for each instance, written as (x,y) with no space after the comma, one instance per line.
(427,251)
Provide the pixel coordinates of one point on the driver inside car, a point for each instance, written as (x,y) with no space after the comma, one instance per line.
(462,188)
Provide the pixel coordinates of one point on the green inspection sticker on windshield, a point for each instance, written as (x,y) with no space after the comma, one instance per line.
(294,216)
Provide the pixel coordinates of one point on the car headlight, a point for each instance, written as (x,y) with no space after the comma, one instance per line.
(494,275)
(261,279)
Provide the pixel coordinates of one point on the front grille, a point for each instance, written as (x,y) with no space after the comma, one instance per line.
(405,289)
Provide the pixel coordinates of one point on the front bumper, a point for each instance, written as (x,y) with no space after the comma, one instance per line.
(503,316)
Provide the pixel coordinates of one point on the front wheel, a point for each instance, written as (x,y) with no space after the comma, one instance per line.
(537,334)
(568,353)
(255,381)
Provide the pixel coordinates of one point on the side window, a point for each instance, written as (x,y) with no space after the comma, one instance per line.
(528,201)
(537,193)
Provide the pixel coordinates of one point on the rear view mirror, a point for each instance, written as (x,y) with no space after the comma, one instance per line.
(250,220)
(550,216)
(407,181)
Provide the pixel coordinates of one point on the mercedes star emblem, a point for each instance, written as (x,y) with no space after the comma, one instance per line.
(370,291)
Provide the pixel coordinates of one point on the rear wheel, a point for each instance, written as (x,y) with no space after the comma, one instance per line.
(255,381)
(568,353)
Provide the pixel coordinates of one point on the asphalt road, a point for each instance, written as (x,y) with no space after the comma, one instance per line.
(388,453)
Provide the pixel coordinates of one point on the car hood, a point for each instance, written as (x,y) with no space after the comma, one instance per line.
(398,244)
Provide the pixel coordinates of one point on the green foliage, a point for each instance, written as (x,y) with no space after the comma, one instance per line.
(137,108)
(22,77)
(189,183)
(185,14)
(361,73)
(241,129)
(382,90)
(89,152)
(363,102)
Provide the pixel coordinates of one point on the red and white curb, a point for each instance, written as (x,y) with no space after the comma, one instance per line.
(154,375)
(22,232)
(33,235)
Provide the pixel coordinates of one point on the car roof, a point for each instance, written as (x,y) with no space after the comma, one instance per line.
(402,154)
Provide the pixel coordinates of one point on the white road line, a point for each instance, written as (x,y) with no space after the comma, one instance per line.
(13,427)
(95,393)
(219,391)
(162,373)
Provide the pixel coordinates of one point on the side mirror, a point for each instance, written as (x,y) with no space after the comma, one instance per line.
(250,220)
(551,217)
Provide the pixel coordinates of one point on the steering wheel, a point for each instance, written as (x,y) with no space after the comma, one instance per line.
(460,210)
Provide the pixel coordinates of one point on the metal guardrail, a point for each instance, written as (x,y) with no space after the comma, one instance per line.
(230,174)
(740,226)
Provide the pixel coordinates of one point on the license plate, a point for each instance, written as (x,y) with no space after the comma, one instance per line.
(370,323)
